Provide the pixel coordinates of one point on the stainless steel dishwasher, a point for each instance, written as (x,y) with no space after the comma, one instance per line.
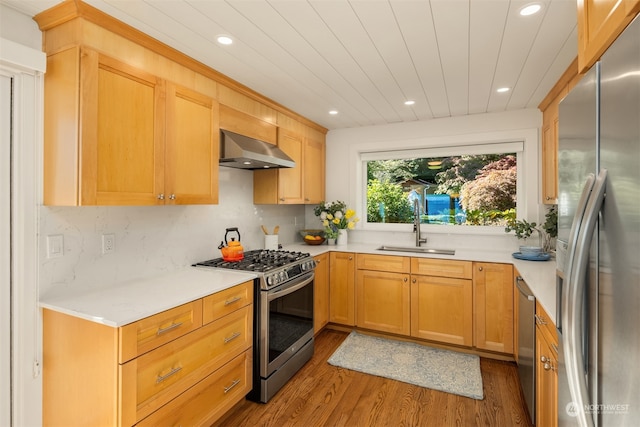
(527,344)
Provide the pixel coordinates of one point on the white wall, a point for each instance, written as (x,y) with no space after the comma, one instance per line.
(343,169)
(156,239)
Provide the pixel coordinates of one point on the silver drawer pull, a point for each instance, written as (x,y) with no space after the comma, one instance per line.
(171,372)
(233,384)
(168,328)
(232,337)
(232,300)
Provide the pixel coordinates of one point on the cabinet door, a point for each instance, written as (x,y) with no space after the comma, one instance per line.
(321,293)
(599,23)
(550,155)
(546,383)
(442,309)
(342,288)
(290,185)
(493,304)
(382,301)
(122,133)
(192,153)
(314,171)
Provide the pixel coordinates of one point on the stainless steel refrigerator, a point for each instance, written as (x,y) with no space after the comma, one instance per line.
(598,254)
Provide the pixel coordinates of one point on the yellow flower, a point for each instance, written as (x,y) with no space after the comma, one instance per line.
(336,221)
(349,213)
(325,223)
(351,225)
(329,216)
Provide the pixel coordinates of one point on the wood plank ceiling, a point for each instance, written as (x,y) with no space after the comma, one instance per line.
(365,58)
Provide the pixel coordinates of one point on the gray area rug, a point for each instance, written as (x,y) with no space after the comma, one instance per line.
(433,368)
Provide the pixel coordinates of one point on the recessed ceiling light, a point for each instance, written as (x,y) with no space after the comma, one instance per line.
(224,39)
(503,89)
(409,102)
(530,9)
(333,112)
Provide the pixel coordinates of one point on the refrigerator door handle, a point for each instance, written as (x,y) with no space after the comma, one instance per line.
(574,327)
(563,308)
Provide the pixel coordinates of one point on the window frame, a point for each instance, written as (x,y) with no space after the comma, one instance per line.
(527,179)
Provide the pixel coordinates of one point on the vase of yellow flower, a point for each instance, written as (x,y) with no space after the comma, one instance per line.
(336,219)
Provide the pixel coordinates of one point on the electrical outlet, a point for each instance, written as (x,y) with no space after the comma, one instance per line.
(108,243)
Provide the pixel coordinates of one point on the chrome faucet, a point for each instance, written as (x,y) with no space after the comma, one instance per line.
(416,222)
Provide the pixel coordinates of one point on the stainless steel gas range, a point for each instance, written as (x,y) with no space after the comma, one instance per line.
(283,315)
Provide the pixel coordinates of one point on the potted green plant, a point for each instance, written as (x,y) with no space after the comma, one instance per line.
(547,231)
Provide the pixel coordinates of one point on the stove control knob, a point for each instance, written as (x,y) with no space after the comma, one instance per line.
(283,276)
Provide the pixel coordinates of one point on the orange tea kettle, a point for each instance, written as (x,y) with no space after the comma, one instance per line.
(233,251)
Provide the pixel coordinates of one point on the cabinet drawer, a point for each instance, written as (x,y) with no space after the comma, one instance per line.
(205,402)
(155,378)
(151,332)
(222,303)
(442,268)
(546,326)
(390,263)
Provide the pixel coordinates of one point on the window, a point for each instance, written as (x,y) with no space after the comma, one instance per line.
(468,185)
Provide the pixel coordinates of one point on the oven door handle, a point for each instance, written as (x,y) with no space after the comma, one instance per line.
(290,288)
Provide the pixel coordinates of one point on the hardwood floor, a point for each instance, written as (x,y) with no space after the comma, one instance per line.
(324,395)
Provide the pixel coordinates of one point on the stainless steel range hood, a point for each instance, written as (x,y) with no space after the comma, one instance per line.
(239,151)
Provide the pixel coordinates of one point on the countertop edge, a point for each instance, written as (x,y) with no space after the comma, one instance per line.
(136,299)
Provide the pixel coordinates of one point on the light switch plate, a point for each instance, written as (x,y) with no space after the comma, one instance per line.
(55,246)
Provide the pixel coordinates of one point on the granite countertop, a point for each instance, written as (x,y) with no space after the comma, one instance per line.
(540,276)
(136,299)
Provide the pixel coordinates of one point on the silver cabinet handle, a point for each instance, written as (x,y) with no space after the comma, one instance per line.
(172,197)
(479,268)
(168,328)
(544,359)
(233,384)
(174,371)
(540,320)
(161,196)
(232,337)
(405,280)
(232,300)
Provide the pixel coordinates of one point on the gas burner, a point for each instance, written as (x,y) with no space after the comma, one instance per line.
(258,261)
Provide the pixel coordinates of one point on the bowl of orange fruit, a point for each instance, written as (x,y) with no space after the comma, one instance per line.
(313,237)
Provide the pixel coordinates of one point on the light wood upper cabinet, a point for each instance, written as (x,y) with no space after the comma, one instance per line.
(600,22)
(118,135)
(342,274)
(301,184)
(192,148)
(314,169)
(321,293)
(245,124)
(550,123)
(493,306)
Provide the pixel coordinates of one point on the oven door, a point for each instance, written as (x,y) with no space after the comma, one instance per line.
(286,322)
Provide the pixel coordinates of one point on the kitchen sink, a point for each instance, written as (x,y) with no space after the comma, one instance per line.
(417,250)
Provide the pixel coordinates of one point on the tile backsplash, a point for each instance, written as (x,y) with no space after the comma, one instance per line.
(154,239)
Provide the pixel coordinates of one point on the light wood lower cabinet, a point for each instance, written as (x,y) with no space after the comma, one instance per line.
(493,306)
(382,301)
(321,293)
(442,301)
(546,370)
(94,374)
(442,309)
(342,306)
(383,293)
